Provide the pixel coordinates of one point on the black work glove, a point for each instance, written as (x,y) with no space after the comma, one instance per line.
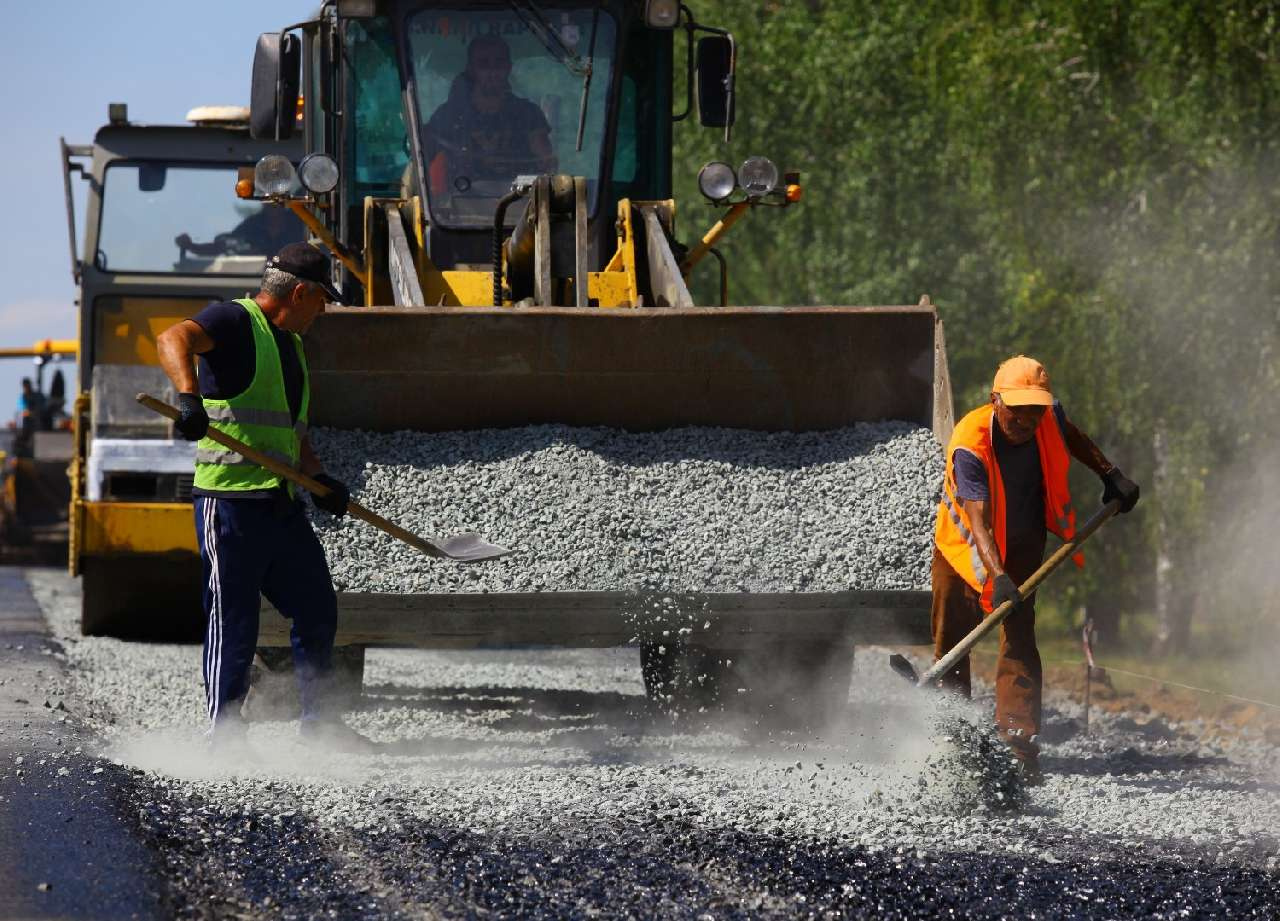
(335,503)
(1115,485)
(1005,590)
(192,422)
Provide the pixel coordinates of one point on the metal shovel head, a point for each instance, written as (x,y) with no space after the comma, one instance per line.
(904,668)
(469,547)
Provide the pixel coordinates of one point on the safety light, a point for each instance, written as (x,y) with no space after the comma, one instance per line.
(274,176)
(662,14)
(758,176)
(318,172)
(244,188)
(717,181)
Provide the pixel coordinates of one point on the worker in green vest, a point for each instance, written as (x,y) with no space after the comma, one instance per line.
(254,536)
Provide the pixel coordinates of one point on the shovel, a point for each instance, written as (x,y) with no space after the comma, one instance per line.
(467,547)
(904,668)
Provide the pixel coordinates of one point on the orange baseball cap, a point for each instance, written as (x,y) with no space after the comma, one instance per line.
(1023,381)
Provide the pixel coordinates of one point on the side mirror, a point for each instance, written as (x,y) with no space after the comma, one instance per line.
(151,177)
(273,95)
(716,64)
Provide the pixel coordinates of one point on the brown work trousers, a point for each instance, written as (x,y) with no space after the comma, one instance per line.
(1019,677)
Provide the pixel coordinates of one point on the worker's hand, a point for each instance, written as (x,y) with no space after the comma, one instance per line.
(1115,485)
(1004,590)
(192,422)
(335,503)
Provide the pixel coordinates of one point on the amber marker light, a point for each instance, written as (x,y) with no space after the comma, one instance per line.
(244,182)
(795,192)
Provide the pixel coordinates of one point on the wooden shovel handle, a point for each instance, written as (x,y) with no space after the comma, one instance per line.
(997,617)
(284,471)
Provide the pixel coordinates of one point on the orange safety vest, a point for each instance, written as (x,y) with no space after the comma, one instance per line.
(953,534)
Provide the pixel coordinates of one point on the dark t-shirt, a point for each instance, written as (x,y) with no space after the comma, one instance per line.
(488,145)
(227,369)
(1023,482)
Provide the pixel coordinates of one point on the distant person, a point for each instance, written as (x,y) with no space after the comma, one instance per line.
(1005,487)
(266,231)
(253,534)
(483,130)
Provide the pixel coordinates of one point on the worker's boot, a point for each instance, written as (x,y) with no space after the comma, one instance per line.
(227,740)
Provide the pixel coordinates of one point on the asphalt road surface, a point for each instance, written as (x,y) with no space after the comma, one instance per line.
(540,783)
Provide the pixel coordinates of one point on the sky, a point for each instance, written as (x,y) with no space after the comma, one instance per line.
(63,63)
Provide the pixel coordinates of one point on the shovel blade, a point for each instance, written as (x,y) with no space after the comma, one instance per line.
(468,547)
(903,667)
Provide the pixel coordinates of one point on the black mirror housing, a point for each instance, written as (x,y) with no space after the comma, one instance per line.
(715,73)
(273,94)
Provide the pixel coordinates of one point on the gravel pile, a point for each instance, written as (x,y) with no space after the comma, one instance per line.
(594,509)
(538,783)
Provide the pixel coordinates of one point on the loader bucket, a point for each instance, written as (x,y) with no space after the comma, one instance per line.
(761,368)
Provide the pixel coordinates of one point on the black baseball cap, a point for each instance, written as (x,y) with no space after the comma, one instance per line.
(304,261)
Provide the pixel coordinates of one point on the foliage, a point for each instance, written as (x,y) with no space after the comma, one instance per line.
(1088,181)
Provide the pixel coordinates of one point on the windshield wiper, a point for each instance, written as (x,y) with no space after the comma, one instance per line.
(533,17)
(586,77)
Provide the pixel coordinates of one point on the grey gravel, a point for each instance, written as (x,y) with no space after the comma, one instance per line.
(595,509)
(539,783)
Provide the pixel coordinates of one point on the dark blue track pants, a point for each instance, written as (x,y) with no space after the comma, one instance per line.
(253,547)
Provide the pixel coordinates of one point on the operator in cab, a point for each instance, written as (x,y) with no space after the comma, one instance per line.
(1004,489)
(254,536)
(484,130)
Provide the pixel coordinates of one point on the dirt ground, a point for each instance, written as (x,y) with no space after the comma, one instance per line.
(1116,693)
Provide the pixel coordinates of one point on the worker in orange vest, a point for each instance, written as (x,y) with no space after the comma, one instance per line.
(1005,488)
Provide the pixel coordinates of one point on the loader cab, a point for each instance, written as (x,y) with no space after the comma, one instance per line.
(444,105)
(453,102)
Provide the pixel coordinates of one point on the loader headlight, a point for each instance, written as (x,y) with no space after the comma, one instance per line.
(717,181)
(758,176)
(318,172)
(274,176)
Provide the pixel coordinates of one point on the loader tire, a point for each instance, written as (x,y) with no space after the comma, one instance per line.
(145,597)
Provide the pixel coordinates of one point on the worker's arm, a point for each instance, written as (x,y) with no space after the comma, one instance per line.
(309,462)
(1084,450)
(1115,484)
(335,501)
(979,513)
(178,347)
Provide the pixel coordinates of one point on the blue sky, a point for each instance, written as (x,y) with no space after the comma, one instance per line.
(63,62)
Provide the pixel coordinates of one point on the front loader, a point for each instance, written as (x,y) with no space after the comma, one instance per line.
(495,182)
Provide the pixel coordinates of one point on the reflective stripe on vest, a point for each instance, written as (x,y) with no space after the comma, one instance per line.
(952,530)
(259,416)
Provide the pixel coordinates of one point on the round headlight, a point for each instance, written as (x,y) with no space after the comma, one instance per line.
(274,176)
(318,172)
(758,176)
(717,181)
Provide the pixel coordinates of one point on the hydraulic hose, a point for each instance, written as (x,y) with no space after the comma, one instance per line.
(499,218)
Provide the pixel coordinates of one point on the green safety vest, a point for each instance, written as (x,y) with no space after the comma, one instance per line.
(259,417)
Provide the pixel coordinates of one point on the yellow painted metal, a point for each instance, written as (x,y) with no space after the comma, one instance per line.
(45,348)
(610,289)
(316,226)
(624,258)
(110,528)
(712,236)
(457,288)
(127,327)
(79,416)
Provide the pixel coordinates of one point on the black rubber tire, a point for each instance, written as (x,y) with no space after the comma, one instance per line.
(143,597)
